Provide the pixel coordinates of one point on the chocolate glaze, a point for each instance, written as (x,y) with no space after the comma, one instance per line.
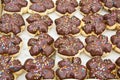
(68,45)
(41,5)
(9,45)
(111,3)
(66,6)
(118,64)
(93,23)
(11,23)
(66,25)
(14,5)
(112,17)
(38,23)
(100,69)
(71,69)
(115,39)
(40,67)
(88,6)
(42,45)
(97,46)
(8,66)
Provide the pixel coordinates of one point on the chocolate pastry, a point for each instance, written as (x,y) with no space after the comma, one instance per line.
(14,5)
(11,23)
(42,45)
(115,39)
(66,25)
(101,69)
(90,6)
(97,46)
(8,66)
(111,3)
(40,67)
(38,23)
(66,6)
(71,69)
(93,24)
(68,45)
(118,64)
(10,44)
(112,18)
(41,5)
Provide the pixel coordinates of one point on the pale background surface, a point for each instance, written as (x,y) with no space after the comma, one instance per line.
(25,37)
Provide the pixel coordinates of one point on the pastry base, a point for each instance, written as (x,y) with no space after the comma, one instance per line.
(0,8)
(112,27)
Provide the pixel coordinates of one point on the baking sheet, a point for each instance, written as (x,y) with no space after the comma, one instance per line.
(24,54)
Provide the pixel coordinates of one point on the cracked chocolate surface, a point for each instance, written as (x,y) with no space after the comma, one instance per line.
(118,64)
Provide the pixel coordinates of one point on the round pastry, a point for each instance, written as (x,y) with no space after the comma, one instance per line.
(18,6)
(68,46)
(71,68)
(97,46)
(118,65)
(67,25)
(101,69)
(112,19)
(111,4)
(90,6)
(92,24)
(39,68)
(115,39)
(66,6)
(42,7)
(9,68)
(11,23)
(42,45)
(10,45)
(38,24)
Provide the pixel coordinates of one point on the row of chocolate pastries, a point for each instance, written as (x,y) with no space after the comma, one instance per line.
(62,6)
(94,24)
(42,67)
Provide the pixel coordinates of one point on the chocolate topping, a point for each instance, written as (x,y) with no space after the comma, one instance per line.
(14,5)
(112,17)
(66,6)
(9,45)
(38,23)
(66,25)
(42,45)
(93,23)
(41,5)
(115,39)
(68,45)
(111,3)
(100,69)
(88,6)
(40,67)
(71,69)
(97,46)
(118,64)
(8,66)
(11,23)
